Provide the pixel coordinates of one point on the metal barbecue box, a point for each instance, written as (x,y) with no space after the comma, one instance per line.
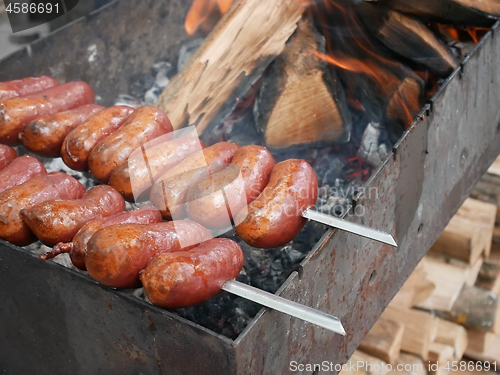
(58,321)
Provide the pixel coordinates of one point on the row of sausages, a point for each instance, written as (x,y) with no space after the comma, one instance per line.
(215,186)
(113,245)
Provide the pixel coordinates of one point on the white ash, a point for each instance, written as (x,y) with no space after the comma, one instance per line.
(187,51)
(375,144)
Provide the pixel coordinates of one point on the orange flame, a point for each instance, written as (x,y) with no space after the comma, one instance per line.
(476,33)
(201,10)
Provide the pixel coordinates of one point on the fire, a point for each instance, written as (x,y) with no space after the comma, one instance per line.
(202,10)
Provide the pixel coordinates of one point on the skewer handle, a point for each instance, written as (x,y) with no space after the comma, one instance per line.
(283,305)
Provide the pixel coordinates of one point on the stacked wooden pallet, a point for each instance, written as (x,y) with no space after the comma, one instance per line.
(449,308)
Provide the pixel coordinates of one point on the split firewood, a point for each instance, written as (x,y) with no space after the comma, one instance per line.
(408,37)
(301,101)
(364,364)
(448,276)
(490,355)
(488,188)
(384,340)
(475,308)
(409,365)
(419,329)
(489,276)
(231,59)
(441,353)
(479,340)
(454,335)
(469,233)
(458,12)
(416,289)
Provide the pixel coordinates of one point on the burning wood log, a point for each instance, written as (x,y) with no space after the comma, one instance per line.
(458,12)
(232,58)
(408,37)
(301,101)
(475,308)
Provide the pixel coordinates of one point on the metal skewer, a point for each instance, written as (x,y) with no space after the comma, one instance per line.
(283,305)
(358,229)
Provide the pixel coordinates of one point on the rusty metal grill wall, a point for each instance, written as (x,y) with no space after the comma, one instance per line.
(55,320)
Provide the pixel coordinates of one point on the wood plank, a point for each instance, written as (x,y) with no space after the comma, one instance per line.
(469,232)
(448,280)
(384,340)
(417,288)
(440,352)
(492,354)
(409,364)
(371,365)
(452,334)
(479,340)
(230,60)
(418,331)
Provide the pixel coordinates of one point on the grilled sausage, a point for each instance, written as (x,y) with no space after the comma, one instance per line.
(169,192)
(176,280)
(144,125)
(45,135)
(7,155)
(116,254)
(135,178)
(19,171)
(78,144)
(25,86)
(274,218)
(57,221)
(16,113)
(77,249)
(214,200)
(55,185)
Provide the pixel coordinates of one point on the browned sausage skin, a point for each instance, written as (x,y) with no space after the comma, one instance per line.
(176,280)
(78,144)
(135,178)
(55,185)
(19,171)
(78,247)
(7,155)
(25,86)
(45,135)
(214,200)
(16,113)
(116,254)
(169,192)
(57,221)
(144,125)
(274,218)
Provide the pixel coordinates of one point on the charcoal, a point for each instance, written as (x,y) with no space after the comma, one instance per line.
(290,257)
(140,85)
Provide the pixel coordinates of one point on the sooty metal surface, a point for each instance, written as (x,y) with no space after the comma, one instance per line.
(54,320)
